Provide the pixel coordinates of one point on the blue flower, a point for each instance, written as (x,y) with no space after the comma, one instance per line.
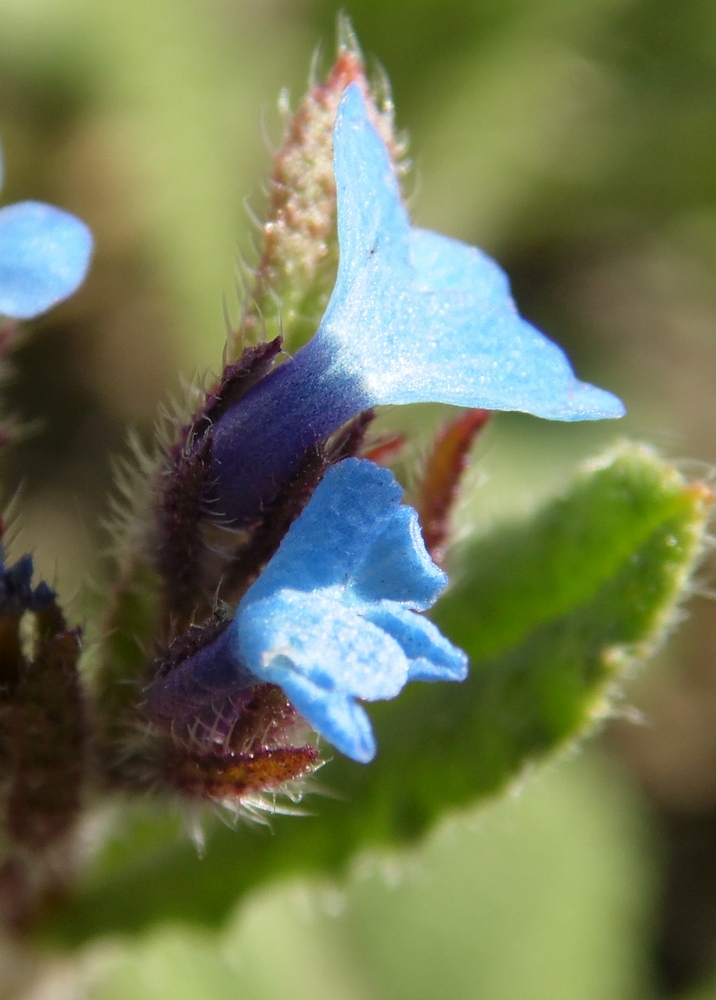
(44,256)
(414,317)
(332,618)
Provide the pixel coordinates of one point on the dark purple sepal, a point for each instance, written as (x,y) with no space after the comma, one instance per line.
(47,737)
(198,671)
(185,481)
(179,522)
(236,380)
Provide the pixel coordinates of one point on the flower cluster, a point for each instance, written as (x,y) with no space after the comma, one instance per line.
(293,578)
(332,612)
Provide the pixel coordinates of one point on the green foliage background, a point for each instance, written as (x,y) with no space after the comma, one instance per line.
(573,139)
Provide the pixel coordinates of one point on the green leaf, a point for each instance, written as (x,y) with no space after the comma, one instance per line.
(553,611)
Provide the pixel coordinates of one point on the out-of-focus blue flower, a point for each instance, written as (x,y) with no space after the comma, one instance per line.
(44,256)
(332,618)
(414,317)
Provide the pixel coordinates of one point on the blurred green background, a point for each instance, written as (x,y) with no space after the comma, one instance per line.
(576,141)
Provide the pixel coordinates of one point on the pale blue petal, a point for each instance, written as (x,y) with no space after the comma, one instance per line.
(316,636)
(44,256)
(416,317)
(337,718)
(431,656)
(371,216)
(397,566)
(327,620)
(328,542)
(440,263)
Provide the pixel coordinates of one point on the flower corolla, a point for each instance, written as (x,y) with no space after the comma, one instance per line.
(44,256)
(332,618)
(414,317)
